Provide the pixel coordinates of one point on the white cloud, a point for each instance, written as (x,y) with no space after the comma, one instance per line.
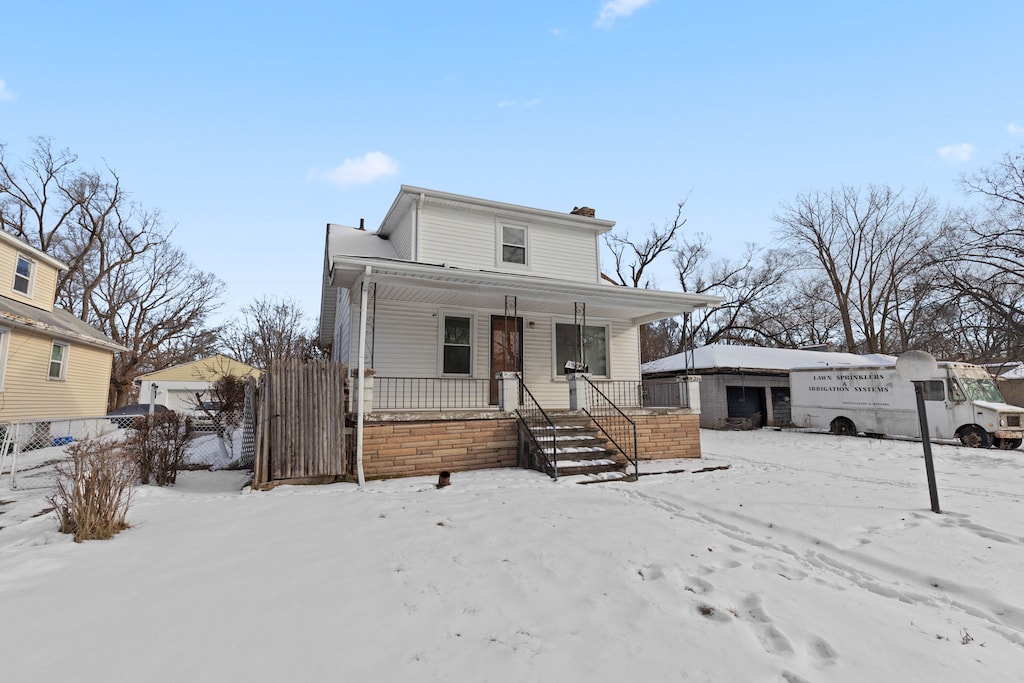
(613,9)
(5,94)
(558,32)
(359,171)
(505,104)
(1015,130)
(957,154)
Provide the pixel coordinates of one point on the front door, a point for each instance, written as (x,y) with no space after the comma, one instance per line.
(506,349)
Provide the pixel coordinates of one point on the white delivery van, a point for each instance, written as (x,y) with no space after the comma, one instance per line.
(961,401)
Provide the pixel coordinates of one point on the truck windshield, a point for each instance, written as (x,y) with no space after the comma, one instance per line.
(981,390)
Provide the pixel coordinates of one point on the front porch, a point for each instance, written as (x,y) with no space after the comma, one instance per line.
(422,426)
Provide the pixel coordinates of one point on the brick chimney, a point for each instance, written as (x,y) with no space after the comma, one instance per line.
(582,211)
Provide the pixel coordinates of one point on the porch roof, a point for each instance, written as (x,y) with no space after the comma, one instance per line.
(445,285)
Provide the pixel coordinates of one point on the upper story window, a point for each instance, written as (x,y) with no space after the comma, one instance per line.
(513,244)
(58,361)
(23,275)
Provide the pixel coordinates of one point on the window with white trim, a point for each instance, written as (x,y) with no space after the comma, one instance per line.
(58,361)
(595,347)
(5,336)
(457,345)
(23,275)
(513,244)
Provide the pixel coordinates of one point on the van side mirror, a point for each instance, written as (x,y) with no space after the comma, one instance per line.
(956,392)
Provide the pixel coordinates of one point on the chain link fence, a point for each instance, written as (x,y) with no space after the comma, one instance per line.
(29,449)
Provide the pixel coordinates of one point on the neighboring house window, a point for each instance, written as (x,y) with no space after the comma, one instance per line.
(4,336)
(457,345)
(58,361)
(513,244)
(23,275)
(595,347)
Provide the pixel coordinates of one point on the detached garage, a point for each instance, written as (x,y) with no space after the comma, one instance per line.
(183,387)
(746,387)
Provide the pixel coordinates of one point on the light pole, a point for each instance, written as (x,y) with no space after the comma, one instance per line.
(916,367)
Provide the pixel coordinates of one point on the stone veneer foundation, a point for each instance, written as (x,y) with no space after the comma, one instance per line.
(411,444)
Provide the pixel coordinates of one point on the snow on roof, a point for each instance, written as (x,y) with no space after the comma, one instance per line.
(355,242)
(1016,372)
(760,358)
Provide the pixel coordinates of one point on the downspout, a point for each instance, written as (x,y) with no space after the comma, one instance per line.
(363,287)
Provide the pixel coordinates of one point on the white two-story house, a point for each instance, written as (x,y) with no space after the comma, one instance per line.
(452,291)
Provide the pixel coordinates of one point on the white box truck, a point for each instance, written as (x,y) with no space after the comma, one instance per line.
(961,401)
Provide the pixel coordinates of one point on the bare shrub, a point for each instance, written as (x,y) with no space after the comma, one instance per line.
(94,489)
(157,444)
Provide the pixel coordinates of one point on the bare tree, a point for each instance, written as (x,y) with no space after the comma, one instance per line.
(124,276)
(271,329)
(748,285)
(157,302)
(982,251)
(632,259)
(864,242)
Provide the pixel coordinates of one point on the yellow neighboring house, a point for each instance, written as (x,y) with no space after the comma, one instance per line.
(176,387)
(51,363)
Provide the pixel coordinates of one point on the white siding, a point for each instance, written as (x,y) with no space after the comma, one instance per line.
(469,239)
(402,341)
(408,339)
(342,326)
(401,236)
(547,383)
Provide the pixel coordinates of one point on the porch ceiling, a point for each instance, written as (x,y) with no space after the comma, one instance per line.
(458,287)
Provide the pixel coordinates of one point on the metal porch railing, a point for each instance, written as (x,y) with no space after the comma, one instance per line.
(533,421)
(666,392)
(619,428)
(430,393)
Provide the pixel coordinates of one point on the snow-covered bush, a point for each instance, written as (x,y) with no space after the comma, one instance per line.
(93,489)
(157,444)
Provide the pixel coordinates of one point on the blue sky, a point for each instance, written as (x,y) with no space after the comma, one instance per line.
(253,125)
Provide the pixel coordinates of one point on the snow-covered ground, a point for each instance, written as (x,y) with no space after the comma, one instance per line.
(811,558)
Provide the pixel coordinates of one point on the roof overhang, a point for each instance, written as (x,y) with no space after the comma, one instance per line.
(408,194)
(439,284)
(27,248)
(50,325)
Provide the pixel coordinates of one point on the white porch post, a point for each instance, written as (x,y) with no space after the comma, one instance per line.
(689,392)
(578,397)
(363,286)
(508,391)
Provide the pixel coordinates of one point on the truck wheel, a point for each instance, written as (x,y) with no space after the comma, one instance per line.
(841,426)
(975,437)
(1008,444)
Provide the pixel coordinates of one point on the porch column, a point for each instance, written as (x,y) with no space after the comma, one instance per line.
(367,387)
(579,399)
(689,392)
(508,391)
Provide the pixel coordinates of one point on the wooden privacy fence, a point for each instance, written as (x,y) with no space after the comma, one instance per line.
(301,423)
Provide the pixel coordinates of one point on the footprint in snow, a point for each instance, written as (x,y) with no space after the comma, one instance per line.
(772,639)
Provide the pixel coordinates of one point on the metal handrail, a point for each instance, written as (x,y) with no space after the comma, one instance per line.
(534,409)
(624,437)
